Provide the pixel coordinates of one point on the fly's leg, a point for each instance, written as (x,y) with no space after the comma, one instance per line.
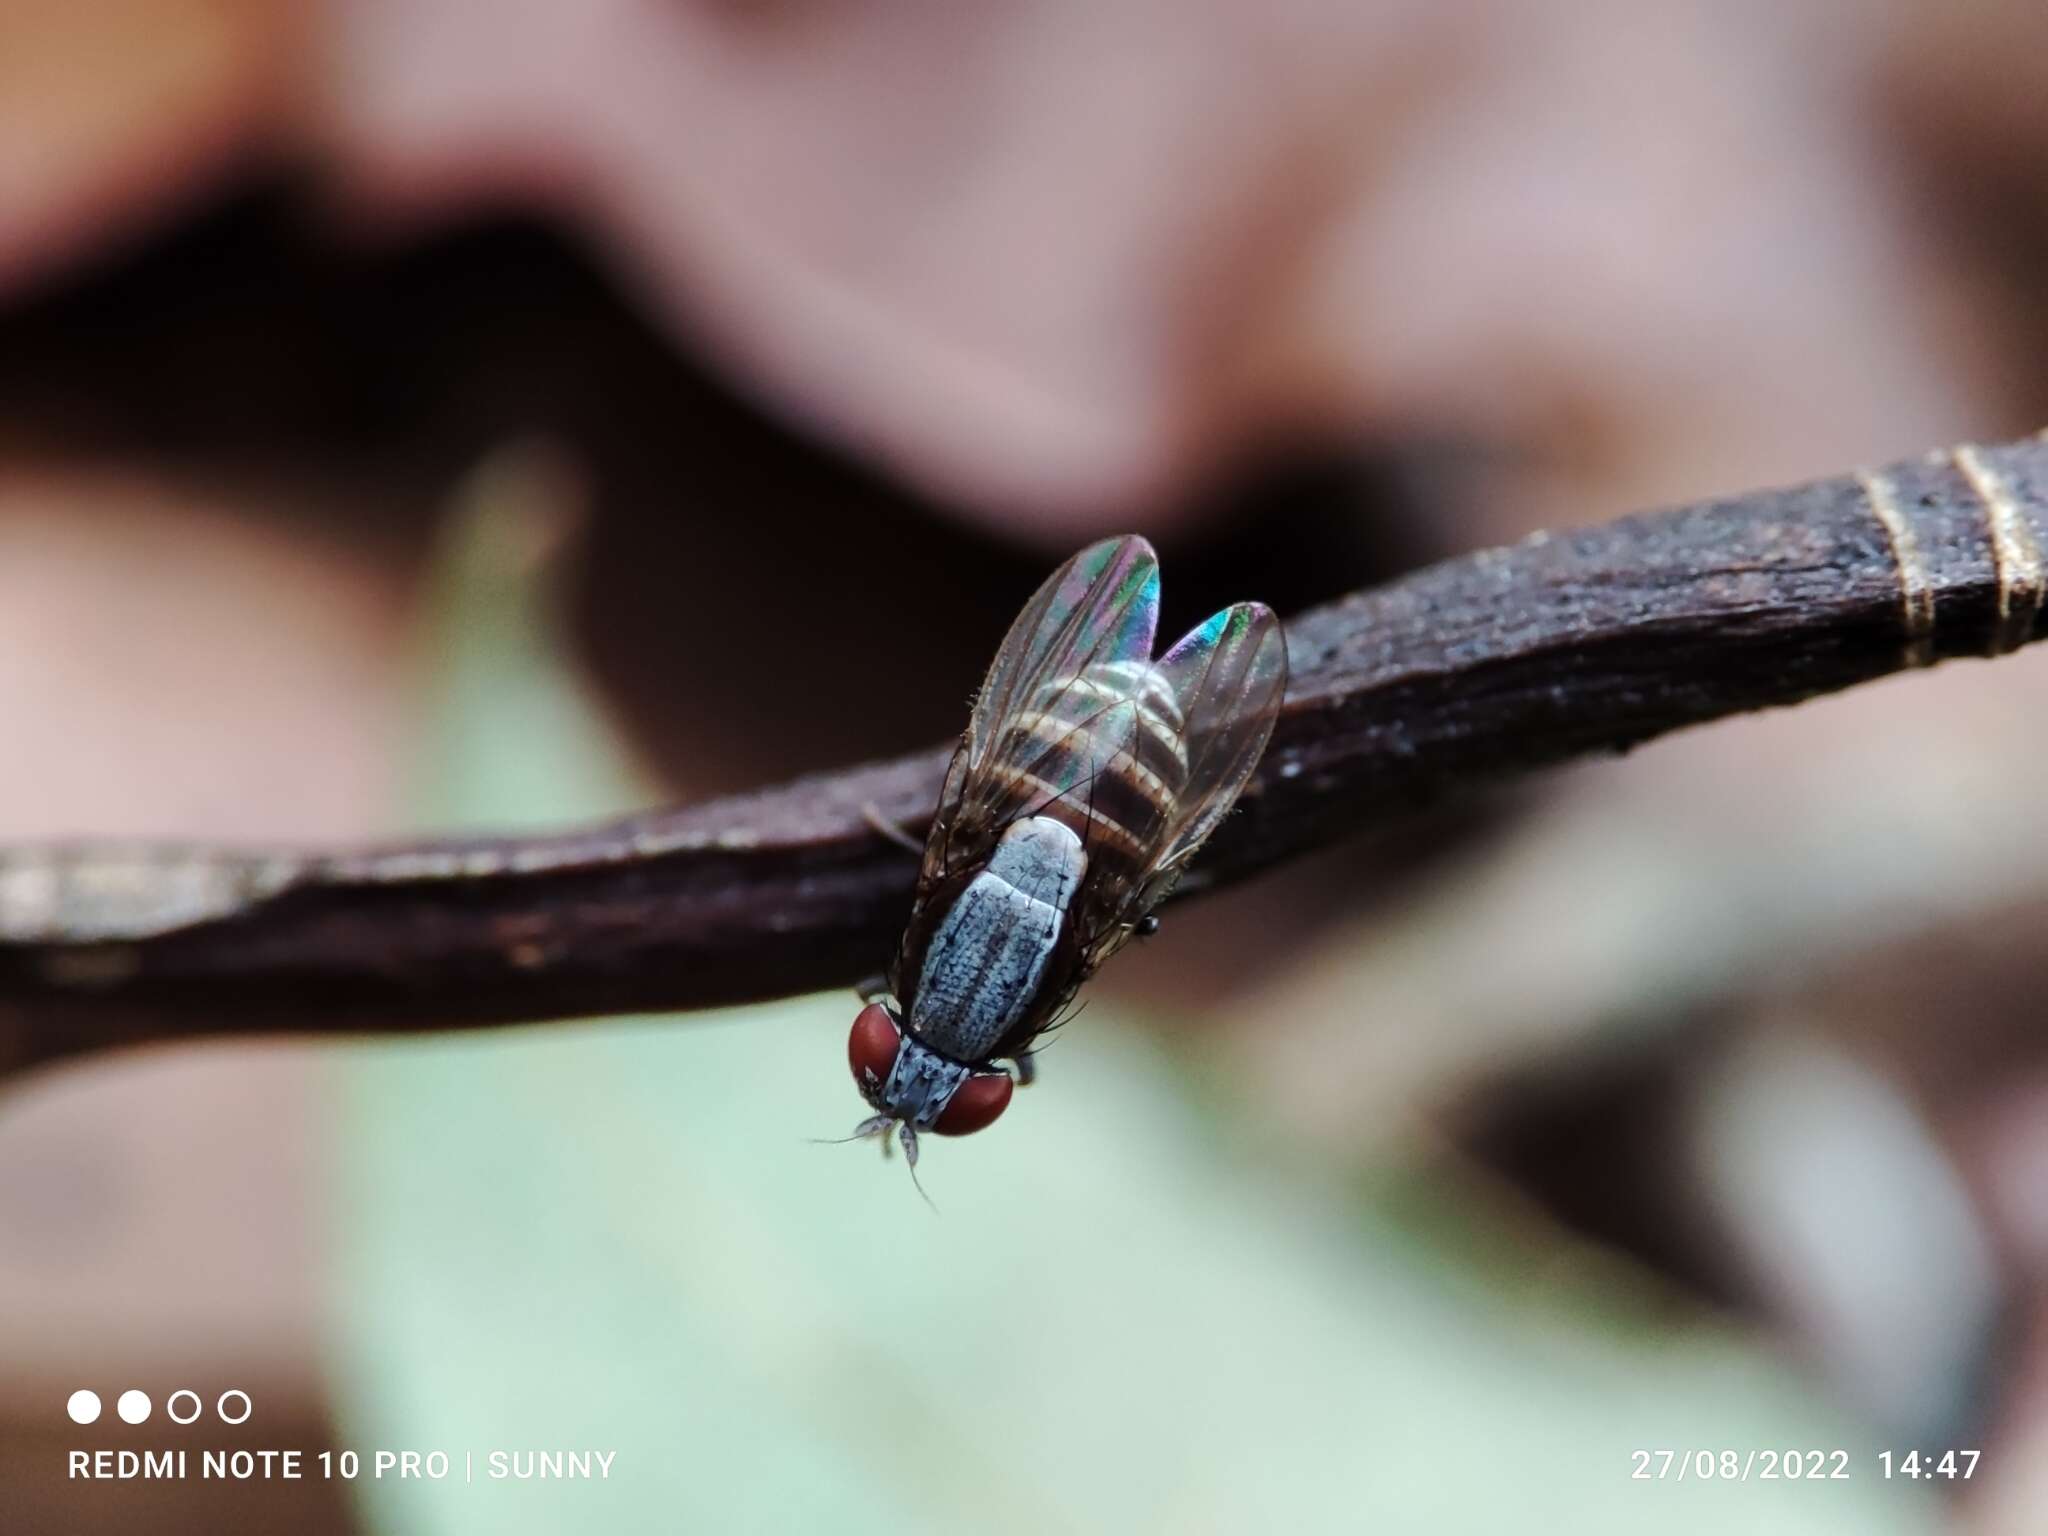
(871,813)
(1027,1068)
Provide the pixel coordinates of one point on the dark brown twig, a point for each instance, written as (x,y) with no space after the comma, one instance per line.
(1486,666)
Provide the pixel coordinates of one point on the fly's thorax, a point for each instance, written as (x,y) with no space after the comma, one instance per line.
(998,949)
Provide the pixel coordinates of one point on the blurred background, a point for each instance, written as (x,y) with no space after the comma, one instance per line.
(447,415)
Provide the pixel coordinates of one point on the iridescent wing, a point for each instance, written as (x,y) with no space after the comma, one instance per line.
(1226,679)
(1099,610)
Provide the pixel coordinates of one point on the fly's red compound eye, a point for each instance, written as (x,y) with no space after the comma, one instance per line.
(975,1104)
(872,1046)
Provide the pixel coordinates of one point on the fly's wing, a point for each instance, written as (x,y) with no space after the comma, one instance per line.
(1100,607)
(1226,679)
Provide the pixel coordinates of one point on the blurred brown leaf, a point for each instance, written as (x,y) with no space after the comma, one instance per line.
(114,113)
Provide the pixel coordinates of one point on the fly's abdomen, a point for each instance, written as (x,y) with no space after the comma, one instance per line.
(1102,753)
(986,967)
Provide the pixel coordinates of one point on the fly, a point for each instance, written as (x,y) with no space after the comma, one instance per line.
(1088,777)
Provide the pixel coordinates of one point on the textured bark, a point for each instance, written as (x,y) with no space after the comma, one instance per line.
(1476,669)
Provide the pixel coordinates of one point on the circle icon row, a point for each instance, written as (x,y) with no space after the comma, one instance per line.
(133,1406)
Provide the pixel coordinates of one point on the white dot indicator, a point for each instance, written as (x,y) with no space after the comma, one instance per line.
(84,1406)
(133,1406)
(171,1406)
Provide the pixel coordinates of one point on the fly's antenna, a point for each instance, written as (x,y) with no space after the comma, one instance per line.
(862,1132)
(879,1125)
(910,1161)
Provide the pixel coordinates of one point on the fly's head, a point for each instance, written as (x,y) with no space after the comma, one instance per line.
(913,1088)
